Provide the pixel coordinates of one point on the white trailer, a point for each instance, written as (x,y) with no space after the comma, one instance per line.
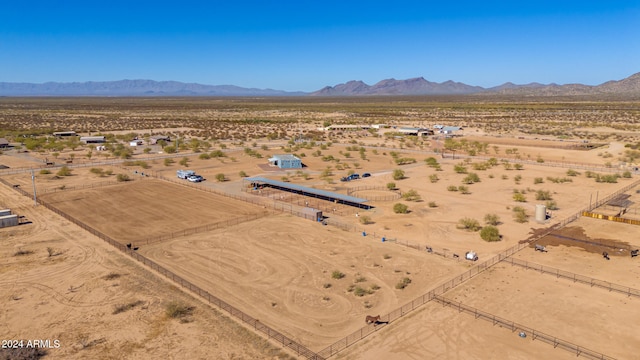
(183,174)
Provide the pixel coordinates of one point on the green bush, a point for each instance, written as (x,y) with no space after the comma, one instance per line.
(403,283)
(411,195)
(469,224)
(45,172)
(490,233)
(452,188)
(520,215)
(123,177)
(398,174)
(492,219)
(543,195)
(400,208)
(221,177)
(64,171)
(336,274)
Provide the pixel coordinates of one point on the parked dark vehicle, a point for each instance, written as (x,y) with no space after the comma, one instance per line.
(366,175)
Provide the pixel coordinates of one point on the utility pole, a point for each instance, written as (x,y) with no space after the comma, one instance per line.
(33,181)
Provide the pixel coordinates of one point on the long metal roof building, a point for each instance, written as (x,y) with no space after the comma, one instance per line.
(307,191)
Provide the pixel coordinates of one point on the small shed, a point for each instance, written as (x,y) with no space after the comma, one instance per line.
(286,161)
(7,219)
(313,214)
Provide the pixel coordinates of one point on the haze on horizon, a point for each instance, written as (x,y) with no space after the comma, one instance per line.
(295,46)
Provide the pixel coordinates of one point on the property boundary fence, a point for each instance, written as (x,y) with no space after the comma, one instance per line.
(269,332)
(574,277)
(535,334)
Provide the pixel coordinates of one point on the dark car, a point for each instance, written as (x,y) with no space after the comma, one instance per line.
(366,175)
(354,176)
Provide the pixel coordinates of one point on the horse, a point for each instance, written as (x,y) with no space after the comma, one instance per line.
(372,319)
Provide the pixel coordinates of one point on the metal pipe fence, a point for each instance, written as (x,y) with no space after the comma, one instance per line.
(513,326)
(574,277)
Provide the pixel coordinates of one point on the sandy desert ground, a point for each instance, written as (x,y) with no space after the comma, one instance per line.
(279,268)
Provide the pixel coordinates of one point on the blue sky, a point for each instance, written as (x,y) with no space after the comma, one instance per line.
(306,45)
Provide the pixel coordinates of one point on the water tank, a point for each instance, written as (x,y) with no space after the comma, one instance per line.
(541,213)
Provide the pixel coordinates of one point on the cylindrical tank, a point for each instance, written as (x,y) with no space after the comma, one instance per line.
(541,213)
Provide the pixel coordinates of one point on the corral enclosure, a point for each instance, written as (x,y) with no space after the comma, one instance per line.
(147,210)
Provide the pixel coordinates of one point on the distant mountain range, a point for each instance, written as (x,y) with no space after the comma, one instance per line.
(416,86)
(133,88)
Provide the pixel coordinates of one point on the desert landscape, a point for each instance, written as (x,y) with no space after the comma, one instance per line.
(122,259)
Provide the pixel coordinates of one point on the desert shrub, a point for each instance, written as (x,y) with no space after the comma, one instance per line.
(45,172)
(432,204)
(398,174)
(358,291)
(170,149)
(411,195)
(404,161)
(520,215)
(572,172)
(519,197)
(217,153)
(433,178)
(365,220)
(123,177)
(464,190)
(492,219)
(469,224)
(242,174)
(517,179)
(403,283)
(221,177)
(176,309)
(400,208)
(21,252)
(120,308)
(551,205)
(111,276)
(452,188)
(471,178)
(490,233)
(518,166)
(336,274)
(168,162)
(391,186)
(543,195)
(460,169)
(204,156)
(538,180)
(64,171)
(184,161)
(626,174)
(431,162)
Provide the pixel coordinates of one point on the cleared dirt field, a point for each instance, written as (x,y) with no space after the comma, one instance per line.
(72,295)
(145,210)
(280,270)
